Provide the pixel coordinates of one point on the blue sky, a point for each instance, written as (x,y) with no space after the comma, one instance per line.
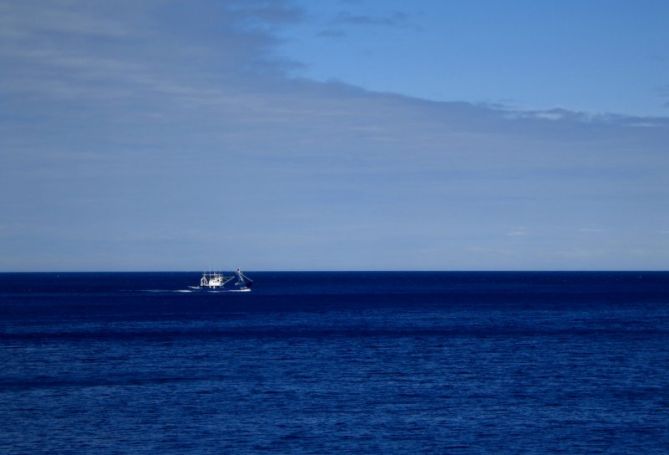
(333,135)
(595,56)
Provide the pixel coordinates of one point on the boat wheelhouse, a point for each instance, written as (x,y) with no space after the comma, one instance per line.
(213,280)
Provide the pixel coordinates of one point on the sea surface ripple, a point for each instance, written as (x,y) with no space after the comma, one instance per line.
(370,362)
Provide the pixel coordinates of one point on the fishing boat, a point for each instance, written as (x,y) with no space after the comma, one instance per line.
(218,281)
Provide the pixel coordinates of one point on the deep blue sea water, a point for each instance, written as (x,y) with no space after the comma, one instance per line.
(335,363)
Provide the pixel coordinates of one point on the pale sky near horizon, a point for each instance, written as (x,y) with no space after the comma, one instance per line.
(334,135)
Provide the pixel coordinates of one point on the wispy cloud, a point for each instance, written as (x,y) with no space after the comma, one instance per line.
(331,33)
(35,19)
(518,232)
(337,26)
(263,12)
(590,230)
(396,19)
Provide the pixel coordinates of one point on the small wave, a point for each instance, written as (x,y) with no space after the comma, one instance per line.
(194,289)
(221,291)
(166,291)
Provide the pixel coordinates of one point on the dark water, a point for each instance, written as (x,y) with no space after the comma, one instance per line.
(335,363)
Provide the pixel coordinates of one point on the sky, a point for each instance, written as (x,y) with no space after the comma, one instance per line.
(334,135)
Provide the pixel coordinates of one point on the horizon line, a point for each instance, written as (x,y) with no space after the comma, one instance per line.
(356,271)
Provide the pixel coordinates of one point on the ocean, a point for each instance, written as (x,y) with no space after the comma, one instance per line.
(335,362)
